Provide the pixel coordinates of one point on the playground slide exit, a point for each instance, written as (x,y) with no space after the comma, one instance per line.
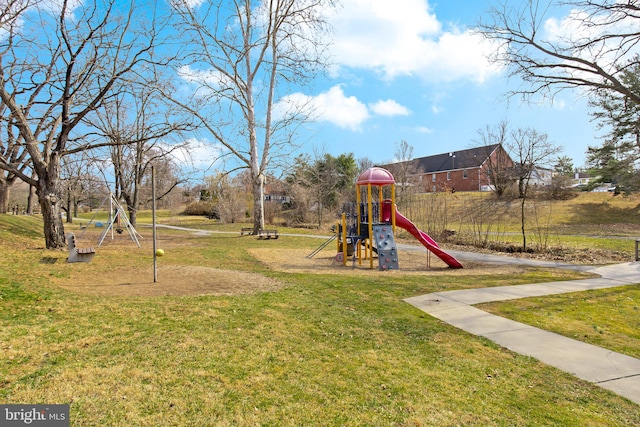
(421,236)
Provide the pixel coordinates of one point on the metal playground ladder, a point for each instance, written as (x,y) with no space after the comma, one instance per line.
(322,246)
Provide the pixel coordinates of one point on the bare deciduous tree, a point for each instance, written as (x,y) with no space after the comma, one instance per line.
(76,180)
(514,156)
(364,163)
(589,49)
(403,167)
(245,55)
(12,152)
(58,65)
(139,127)
(499,169)
(530,150)
(228,195)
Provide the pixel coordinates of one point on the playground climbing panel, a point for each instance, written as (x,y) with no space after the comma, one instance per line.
(386,245)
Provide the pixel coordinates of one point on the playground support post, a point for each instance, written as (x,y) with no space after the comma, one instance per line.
(153,216)
(393,210)
(358,201)
(339,233)
(344,239)
(370,212)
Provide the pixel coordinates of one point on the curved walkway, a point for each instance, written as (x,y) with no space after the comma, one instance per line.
(613,371)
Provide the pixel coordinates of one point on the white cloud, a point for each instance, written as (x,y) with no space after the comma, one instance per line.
(404,38)
(206,77)
(332,106)
(343,111)
(197,154)
(423,129)
(55,6)
(202,83)
(191,4)
(389,108)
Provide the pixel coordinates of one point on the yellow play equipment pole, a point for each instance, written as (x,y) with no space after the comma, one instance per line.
(344,239)
(393,208)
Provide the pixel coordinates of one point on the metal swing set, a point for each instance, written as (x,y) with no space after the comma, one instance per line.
(117,217)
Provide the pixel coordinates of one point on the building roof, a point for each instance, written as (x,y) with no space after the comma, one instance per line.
(462,159)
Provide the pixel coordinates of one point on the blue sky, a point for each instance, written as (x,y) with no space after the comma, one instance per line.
(410,70)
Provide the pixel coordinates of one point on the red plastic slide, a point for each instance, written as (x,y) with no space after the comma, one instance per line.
(424,238)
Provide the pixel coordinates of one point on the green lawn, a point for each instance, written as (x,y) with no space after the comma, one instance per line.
(324,349)
(548,223)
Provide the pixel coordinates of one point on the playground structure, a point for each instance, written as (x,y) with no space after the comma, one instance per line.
(369,225)
(118,221)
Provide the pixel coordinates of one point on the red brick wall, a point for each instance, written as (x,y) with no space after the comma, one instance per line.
(453,180)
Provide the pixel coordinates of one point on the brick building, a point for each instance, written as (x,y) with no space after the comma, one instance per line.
(464,170)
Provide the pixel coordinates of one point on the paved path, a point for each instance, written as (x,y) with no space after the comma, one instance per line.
(608,369)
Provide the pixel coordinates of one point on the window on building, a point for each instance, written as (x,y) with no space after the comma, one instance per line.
(448,176)
(464,174)
(433,177)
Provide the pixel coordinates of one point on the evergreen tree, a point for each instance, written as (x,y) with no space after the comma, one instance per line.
(615,160)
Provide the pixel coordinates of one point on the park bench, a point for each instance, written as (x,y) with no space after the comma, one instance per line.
(247,230)
(77,254)
(267,234)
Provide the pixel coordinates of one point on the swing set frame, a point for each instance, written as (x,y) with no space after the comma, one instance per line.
(117,216)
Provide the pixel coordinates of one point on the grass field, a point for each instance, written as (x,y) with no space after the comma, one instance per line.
(318,344)
(565,224)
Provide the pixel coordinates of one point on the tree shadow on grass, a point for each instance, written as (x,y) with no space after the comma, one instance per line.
(603,213)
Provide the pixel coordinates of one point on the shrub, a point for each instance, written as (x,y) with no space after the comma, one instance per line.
(199,208)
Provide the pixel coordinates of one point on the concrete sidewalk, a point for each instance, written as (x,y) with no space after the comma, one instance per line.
(608,369)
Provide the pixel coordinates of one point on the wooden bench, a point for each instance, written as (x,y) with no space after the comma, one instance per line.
(78,254)
(267,234)
(248,230)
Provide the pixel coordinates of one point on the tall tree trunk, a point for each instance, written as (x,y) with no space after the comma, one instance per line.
(52,217)
(48,192)
(5,189)
(130,202)
(69,204)
(522,223)
(30,199)
(258,203)
(132,215)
